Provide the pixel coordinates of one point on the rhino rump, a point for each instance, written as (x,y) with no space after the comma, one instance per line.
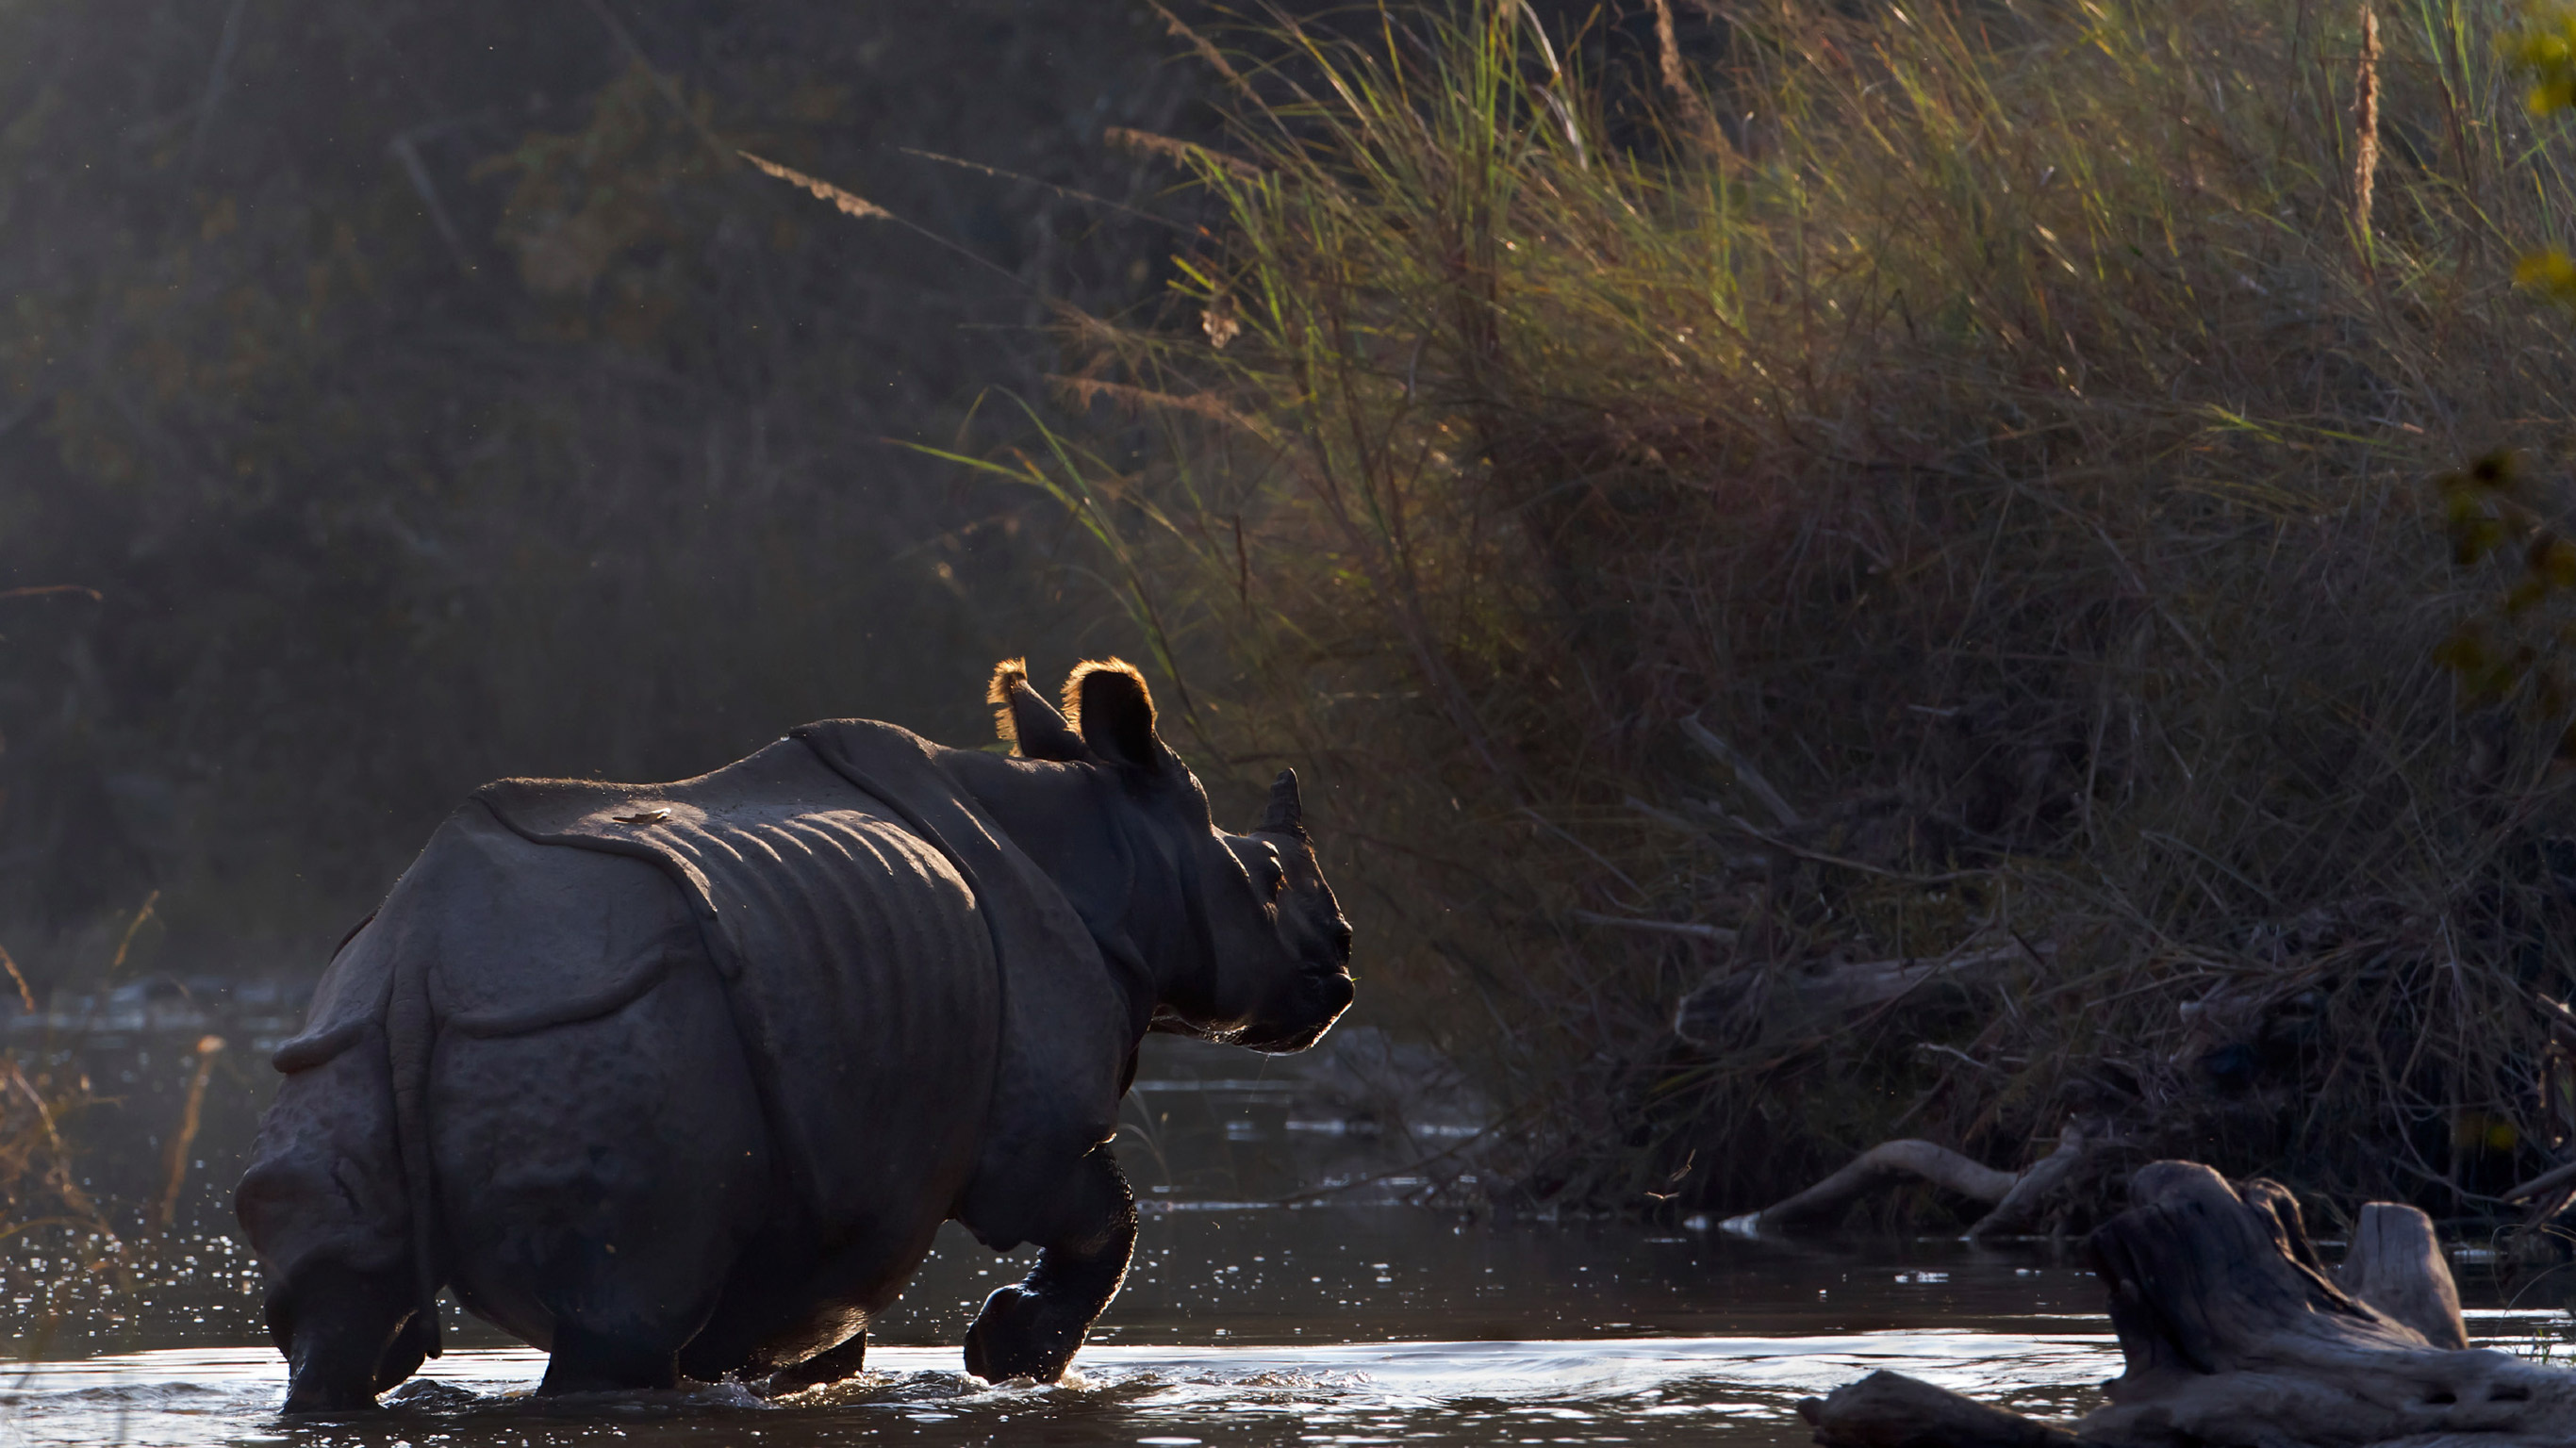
(825,1105)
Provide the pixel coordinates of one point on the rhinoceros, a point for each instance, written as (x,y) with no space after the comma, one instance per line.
(680,1080)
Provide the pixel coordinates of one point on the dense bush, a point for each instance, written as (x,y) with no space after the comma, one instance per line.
(1958,492)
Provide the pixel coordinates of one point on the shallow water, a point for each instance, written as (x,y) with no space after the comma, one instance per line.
(1349,1318)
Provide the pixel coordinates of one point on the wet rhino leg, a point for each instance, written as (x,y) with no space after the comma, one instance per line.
(828,1366)
(347,1336)
(325,1206)
(601,1176)
(1032,1329)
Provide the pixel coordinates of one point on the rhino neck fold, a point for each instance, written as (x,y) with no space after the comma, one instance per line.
(1074,823)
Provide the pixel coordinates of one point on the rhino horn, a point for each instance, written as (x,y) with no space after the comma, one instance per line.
(1286,814)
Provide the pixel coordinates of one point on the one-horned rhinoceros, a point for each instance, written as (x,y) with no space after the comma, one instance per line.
(681,1079)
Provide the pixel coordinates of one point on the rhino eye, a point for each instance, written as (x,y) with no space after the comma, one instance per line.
(1278,872)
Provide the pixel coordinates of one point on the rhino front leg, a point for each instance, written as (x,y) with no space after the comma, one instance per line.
(1033,1328)
(347,1336)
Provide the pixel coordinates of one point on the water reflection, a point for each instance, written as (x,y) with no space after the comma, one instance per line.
(1638,1390)
(1346,1317)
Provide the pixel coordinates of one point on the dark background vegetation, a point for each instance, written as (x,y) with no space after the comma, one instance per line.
(1851,489)
(1912,573)
(427,398)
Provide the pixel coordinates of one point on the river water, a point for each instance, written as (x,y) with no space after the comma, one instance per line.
(1352,1314)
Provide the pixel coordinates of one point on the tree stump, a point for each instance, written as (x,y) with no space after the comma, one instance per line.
(2235,1337)
(2396,1266)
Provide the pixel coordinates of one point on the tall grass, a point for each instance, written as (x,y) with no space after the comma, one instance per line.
(1959,492)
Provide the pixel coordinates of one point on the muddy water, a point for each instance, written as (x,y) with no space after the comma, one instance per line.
(1350,1316)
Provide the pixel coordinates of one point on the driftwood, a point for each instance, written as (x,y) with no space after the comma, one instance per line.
(2235,1337)
(2396,1266)
(2016,1197)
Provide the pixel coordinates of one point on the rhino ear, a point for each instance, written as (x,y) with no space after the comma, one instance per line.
(1287,813)
(1024,718)
(1115,712)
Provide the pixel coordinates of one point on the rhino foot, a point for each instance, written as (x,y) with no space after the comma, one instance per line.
(347,1336)
(1021,1334)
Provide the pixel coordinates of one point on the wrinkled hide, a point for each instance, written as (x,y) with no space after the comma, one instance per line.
(681,1079)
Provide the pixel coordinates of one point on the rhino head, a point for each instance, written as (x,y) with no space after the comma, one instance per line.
(1240,934)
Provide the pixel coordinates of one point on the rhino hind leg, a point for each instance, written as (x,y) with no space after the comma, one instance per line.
(602,1176)
(1033,1328)
(831,1365)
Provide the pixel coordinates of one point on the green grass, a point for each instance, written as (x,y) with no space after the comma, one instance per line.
(2002,430)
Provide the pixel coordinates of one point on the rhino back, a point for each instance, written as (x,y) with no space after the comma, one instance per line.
(857,966)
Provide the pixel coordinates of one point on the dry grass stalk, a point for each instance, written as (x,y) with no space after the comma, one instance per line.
(1171,149)
(850,203)
(174,1160)
(1676,78)
(18,978)
(133,927)
(2365,110)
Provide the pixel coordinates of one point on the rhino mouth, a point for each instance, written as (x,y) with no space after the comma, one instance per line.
(1328,994)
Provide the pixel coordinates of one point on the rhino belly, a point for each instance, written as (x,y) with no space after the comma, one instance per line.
(871,1003)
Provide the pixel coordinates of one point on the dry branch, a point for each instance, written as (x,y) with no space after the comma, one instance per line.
(1718,933)
(1727,1002)
(1752,779)
(2548,1181)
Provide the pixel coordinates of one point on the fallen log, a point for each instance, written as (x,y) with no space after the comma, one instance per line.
(2235,1337)
(2015,1197)
(1888,1161)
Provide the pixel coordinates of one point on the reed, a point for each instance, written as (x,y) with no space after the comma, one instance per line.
(1953,485)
